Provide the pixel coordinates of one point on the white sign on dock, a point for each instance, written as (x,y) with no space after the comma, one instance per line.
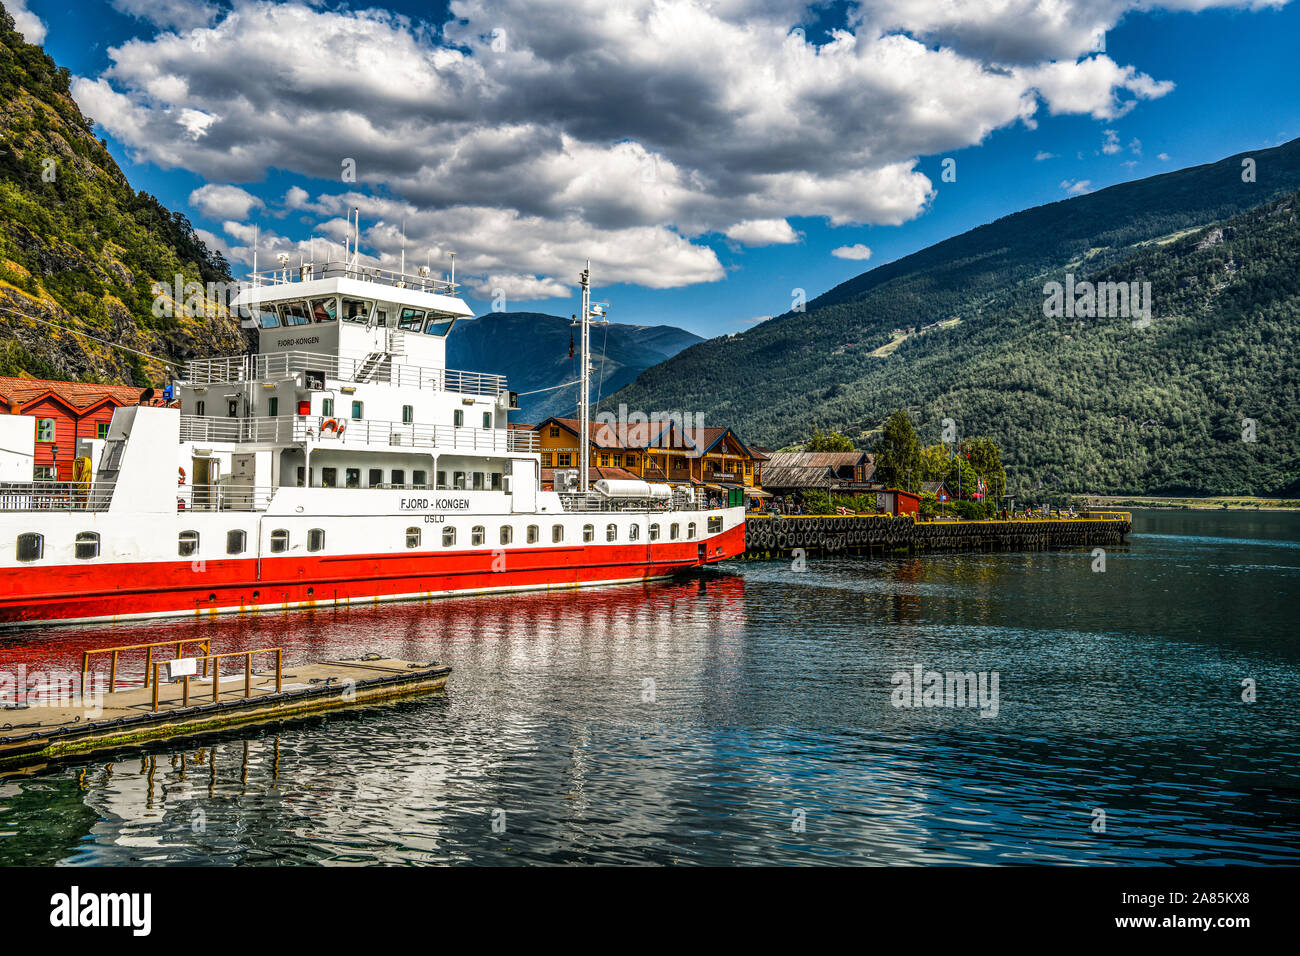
(182,667)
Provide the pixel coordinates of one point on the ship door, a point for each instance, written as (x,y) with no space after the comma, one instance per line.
(205,472)
(243,472)
(523,485)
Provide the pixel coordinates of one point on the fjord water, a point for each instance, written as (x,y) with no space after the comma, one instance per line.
(706,721)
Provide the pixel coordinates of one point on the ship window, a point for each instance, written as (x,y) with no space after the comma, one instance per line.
(438,325)
(381,317)
(324,310)
(375,477)
(31,547)
(611,532)
(478,481)
(487,419)
(273,406)
(316,539)
(715,525)
(634,532)
(557,533)
(356,409)
(266,318)
(674,531)
(654,532)
(442,480)
(458,480)
(279,541)
(588,532)
(690,531)
(496,481)
(398,477)
(477,535)
(327,407)
(236,541)
(357,310)
(408,414)
(329,477)
(294,313)
(412,537)
(534,534)
(458,417)
(410,319)
(448,537)
(232,408)
(507,534)
(302,476)
(420,479)
(200,408)
(187,543)
(352,478)
(45,429)
(87,545)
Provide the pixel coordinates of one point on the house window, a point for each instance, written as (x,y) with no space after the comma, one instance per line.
(356,410)
(200,408)
(458,480)
(478,535)
(43,472)
(458,417)
(45,429)
(273,406)
(327,407)
(87,545)
(507,534)
(547,459)
(604,461)
(588,532)
(31,547)
(398,476)
(329,477)
(375,477)
(563,460)
(352,478)
(634,532)
(674,531)
(316,539)
(715,525)
(555,431)
(487,419)
(534,534)
(408,414)
(412,537)
(690,531)
(236,541)
(611,532)
(557,534)
(654,532)
(420,479)
(279,541)
(478,481)
(631,461)
(101,429)
(448,537)
(187,543)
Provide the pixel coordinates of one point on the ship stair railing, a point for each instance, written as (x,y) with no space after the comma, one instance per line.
(376,364)
(228,370)
(223,496)
(55,496)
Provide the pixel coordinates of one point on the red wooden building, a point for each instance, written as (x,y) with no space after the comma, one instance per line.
(65,413)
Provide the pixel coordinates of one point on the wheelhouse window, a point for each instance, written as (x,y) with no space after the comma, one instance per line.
(534,534)
(477,535)
(294,313)
(31,547)
(611,532)
(45,429)
(236,541)
(412,537)
(438,324)
(279,541)
(507,534)
(557,534)
(448,537)
(324,310)
(410,320)
(187,544)
(588,533)
(87,545)
(266,318)
(357,310)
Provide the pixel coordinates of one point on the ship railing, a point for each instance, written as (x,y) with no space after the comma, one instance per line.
(340,269)
(223,496)
(348,432)
(55,496)
(232,369)
(595,501)
(201,428)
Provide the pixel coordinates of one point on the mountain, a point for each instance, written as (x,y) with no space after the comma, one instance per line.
(531,349)
(958,331)
(80,248)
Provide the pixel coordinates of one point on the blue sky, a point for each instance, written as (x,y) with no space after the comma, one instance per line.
(1233,81)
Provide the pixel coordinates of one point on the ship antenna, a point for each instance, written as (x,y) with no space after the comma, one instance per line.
(403,245)
(255,279)
(584,441)
(453,271)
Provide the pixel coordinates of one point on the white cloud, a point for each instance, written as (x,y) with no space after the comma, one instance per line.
(27,23)
(1077,187)
(657,124)
(856,251)
(1044,154)
(507,287)
(224,202)
(1110,146)
(180,14)
(1163,157)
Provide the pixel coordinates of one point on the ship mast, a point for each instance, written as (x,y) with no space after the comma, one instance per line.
(584,449)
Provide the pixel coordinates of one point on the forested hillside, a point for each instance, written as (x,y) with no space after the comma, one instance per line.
(1076,404)
(79,247)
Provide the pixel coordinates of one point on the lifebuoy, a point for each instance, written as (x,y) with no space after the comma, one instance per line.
(330,425)
(181,476)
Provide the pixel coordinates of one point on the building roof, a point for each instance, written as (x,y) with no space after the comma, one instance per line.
(79,396)
(661,433)
(819,459)
(817,469)
(933,487)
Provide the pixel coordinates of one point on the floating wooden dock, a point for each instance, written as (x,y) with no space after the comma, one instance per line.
(87,720)
(771,536)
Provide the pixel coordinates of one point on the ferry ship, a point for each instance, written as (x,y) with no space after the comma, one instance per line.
(343,462)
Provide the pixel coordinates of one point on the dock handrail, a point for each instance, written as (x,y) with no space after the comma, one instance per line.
(204,644)
(216,673)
